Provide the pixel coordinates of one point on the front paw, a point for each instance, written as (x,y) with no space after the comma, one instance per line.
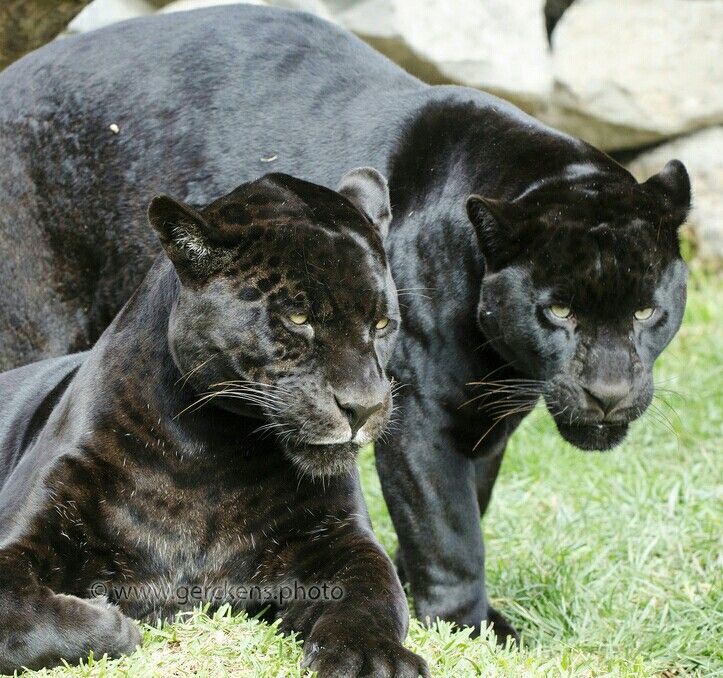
(503,630)
(117,634)
(350,653)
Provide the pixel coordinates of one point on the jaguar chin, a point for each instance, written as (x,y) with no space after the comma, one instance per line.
(593,437)
(335,455)
(323,460)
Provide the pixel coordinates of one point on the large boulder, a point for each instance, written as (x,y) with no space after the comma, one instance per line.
(314,6)
(101,13)
(702,154)
(628,73)
(554,9)
(185,5)
(497,45)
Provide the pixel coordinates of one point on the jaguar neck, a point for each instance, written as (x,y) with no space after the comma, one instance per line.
(137,345)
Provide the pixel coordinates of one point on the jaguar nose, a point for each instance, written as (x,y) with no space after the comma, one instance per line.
(357,413)
(606,395)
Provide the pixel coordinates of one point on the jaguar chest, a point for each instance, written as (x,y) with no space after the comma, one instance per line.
(178,544)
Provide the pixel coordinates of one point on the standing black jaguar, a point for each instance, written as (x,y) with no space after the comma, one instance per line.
(181,460)
(568,286)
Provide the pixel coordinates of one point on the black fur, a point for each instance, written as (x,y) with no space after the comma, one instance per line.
(200,97)
(204,448)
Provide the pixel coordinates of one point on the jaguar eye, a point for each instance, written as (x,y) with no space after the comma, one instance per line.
(382,323)
(299,318)
(562,312)
(644,313)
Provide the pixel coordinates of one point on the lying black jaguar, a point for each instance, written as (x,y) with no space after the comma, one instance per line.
(571,288)
(184,453)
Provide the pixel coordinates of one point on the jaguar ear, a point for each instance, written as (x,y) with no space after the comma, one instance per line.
(184,234)
(493,221)
(671,188)
(368,191)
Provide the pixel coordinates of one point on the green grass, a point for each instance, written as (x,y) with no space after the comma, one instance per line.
(609,564)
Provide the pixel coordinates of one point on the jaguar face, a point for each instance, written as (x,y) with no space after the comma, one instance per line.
(287,310)
(581,294)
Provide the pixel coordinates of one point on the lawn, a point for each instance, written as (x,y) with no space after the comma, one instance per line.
(608,564)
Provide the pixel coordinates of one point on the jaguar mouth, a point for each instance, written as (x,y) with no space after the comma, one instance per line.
(324,460)
(593,437)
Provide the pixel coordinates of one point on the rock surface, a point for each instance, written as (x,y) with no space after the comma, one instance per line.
(101,13)
(185,5)
(497,45)
(554,9)
(702,154)
(631,72)
(314,6)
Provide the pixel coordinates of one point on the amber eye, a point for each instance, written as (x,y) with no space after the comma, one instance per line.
(644,313)
(382,323)
(299,318)
(562,312)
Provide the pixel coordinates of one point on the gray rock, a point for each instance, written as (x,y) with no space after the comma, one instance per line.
(314,6)
(497,45)
(636,71)
(702,154)
(101,13)
(554,9)
(185,5)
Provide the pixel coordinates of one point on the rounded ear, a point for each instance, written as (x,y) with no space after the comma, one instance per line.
(493,222)
(368,191)
(184,234)
(671,188)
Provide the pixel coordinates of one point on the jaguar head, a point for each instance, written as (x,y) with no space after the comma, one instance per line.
(287,310)
(584,287)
